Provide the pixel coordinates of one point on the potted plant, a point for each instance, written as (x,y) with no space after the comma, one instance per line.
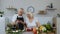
(1,13)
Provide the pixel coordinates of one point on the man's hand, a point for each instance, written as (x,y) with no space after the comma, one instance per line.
(21,21)
(13,23)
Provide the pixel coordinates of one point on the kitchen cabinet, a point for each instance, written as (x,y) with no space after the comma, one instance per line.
(58,25)
(2,25)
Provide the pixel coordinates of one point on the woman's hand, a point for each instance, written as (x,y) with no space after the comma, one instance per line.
(38,24)
(29,29)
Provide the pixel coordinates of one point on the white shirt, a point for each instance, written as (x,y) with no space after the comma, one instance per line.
(32,24)
(14,17)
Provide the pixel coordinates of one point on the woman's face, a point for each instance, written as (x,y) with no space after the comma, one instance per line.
(29,16)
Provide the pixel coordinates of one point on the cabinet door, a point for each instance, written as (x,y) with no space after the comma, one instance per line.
(58,25)
(2,25)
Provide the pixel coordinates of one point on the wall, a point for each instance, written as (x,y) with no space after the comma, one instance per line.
(37,4)
(25,3)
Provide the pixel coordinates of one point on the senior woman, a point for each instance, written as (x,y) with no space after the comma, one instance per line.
(32,22)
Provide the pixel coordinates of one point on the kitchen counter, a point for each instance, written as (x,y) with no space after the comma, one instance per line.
(58,25)
(2,25)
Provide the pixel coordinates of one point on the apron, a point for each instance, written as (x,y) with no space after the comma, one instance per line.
(20,25)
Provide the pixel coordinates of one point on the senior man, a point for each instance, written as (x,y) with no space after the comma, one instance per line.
(18,19)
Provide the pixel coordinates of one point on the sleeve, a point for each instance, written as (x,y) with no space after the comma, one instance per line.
(14,18)
(24,16)
(26,20)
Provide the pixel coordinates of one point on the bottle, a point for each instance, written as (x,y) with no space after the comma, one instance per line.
(51,5)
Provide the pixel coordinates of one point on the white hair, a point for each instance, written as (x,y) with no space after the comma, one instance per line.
(20,9)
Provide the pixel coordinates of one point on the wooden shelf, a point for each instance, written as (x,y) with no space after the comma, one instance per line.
(51,9)
(12,9)
(42,12)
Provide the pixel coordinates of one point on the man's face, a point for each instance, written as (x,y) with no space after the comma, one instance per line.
(20,12)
